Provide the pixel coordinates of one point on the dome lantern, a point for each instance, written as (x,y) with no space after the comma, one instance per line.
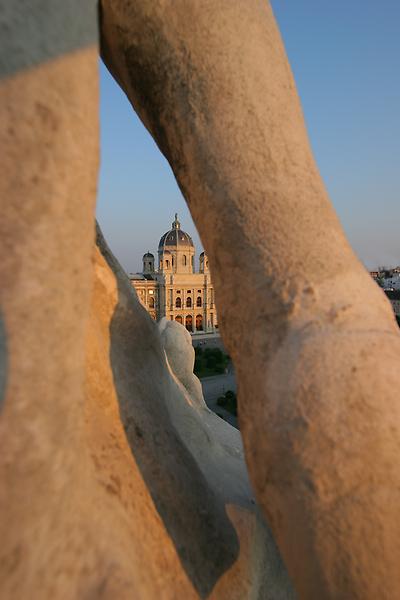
(176,224)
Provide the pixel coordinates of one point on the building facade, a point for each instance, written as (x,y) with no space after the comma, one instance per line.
(175,290)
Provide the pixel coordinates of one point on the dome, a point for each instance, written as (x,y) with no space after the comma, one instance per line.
(175,237)
(148,255)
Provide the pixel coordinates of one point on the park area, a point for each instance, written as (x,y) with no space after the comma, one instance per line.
(210,361)
(214,367)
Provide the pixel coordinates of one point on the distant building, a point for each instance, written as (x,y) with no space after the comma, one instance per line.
(388,279)
(174,290)
(394,297)
(392,282)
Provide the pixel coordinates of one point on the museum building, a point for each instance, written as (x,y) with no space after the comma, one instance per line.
(175,290)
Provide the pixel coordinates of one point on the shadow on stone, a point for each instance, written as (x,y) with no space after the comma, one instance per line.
(195,518)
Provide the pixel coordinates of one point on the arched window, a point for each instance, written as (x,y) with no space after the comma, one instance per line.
(198,301)
(179,319)
(189,323)
(178,303)
(184,260)
(151,302)
(189,302)
(199,323)
(167,264)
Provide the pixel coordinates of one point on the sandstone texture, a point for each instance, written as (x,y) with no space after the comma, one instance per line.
(116,481)
(49,162)
(151,498)
(183,493)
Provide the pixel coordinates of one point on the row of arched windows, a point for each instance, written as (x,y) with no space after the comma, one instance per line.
(188,322)
(178,302)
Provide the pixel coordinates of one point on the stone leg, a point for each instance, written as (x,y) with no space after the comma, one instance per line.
(313,339)
(49,160)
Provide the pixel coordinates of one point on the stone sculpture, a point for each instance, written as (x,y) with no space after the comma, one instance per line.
(179,351)
(114,483)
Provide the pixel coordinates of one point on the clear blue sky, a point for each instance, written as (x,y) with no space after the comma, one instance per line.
(345,55)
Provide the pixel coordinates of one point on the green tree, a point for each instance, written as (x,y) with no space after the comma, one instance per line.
(221,401)
(211,362)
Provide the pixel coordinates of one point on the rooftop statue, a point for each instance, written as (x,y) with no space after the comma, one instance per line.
(115,482)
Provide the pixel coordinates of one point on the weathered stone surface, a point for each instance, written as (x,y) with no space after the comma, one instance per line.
(49,160)
(115,480)
(150,497)
(184,477)
(314,341)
